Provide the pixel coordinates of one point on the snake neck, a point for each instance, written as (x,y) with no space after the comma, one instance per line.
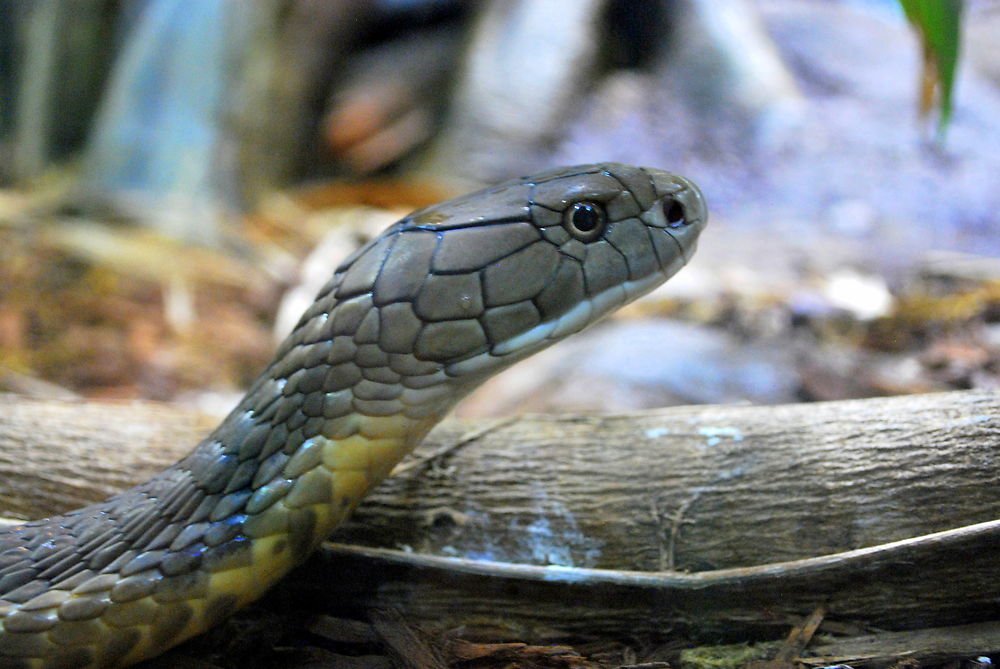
(285,482)
(275,509)
(319,428)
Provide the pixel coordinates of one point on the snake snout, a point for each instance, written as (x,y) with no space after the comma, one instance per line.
(681,211)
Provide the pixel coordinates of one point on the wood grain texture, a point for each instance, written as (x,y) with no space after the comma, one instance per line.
(689,488)
(945,578)
(697,488)
(681,518)
(60,455)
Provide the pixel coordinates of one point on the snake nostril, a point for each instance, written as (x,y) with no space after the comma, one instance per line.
(675,214)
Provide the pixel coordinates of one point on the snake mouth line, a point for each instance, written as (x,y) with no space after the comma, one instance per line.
(582,315)
(685,255)
(577,318)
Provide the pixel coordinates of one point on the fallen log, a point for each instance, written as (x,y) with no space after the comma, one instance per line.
(729,493)
(60,455)
(695,488)
(945,578)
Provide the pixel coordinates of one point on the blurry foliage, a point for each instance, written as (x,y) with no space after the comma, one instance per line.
(920,316)
(938,23)
(101,328)
(86,307)
(724,657)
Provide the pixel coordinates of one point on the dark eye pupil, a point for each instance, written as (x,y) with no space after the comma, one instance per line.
(674,211)
(586,217)
(585,220)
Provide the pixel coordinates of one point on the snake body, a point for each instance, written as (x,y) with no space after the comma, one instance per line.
(409,324)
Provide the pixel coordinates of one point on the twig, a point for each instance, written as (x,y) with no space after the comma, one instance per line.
(800,636)
(675,530)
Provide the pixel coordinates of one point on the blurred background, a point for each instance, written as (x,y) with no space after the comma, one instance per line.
(178,178)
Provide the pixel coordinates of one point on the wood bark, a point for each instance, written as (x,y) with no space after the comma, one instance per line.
(945,578)
(695,488)
(724,492)
(59,455)
(928,647)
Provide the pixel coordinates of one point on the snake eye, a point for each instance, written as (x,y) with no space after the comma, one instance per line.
(585,220)
(674,213)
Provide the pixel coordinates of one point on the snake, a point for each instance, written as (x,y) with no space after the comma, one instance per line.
(410,323)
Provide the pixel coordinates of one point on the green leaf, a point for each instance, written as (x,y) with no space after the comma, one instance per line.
(938,23)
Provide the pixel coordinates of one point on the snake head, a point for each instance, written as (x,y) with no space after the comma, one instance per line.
(454,292)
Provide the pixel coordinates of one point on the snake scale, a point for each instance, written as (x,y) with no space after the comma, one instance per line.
(409,324)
